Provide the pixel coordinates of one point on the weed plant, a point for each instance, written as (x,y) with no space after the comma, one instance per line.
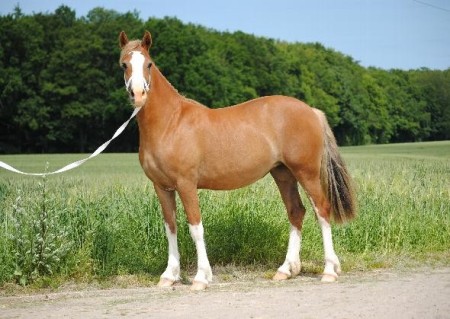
(103,219)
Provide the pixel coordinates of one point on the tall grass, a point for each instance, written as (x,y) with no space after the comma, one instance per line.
(103,219)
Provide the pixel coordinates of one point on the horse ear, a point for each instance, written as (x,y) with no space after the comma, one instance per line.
(147,40)
(123,39)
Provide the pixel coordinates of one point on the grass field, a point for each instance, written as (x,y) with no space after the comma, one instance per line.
(103,219)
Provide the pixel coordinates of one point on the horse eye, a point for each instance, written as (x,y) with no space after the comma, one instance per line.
(124,66)
(149,65)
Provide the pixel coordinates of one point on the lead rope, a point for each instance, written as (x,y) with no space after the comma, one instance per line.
(68,167)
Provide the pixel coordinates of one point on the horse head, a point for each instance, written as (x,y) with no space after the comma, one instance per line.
(136,64)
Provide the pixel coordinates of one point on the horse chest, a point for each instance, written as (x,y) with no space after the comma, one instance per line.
(155,168)
(163,166)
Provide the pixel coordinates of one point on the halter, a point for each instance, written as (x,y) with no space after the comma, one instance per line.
(128,83)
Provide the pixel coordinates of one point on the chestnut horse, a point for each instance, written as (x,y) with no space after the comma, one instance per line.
(184,146)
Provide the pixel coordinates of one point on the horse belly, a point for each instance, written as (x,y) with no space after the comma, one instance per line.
(231,168)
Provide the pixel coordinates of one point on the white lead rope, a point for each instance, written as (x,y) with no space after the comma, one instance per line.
(77,163)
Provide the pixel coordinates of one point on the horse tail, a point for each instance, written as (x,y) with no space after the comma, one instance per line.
(336,181)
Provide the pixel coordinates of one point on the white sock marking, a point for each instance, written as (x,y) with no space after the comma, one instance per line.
(204,273)
(172,271)
(292,265)
(332,264)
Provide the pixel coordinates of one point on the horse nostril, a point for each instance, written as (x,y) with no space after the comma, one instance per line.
(143,92)
(132,93)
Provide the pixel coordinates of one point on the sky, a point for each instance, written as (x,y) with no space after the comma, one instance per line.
(401,34)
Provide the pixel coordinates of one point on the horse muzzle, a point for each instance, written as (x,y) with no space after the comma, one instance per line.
(138,97)
(138,94)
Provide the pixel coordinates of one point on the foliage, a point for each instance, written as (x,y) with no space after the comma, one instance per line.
(61,89)
(104,218)
(36,238)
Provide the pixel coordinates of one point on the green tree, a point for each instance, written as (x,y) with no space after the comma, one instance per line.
(61,88)
(406,110)
(22,60)
(433,87)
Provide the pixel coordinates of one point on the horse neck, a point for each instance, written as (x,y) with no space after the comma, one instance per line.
(163,101)
(162,86)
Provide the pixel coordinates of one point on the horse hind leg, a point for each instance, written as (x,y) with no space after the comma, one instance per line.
(287,184)
(310,180)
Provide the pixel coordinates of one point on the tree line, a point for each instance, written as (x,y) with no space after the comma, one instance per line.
(61,88)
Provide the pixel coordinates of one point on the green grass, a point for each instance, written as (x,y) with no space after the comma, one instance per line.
(102,219)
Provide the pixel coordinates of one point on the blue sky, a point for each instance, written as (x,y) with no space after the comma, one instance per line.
(405,34)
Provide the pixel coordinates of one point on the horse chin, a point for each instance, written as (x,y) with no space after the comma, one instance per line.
(139,103)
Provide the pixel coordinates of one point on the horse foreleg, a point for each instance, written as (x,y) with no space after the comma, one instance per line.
(204,272)
(190,201)
(292,265)
(168,205)
(172,272)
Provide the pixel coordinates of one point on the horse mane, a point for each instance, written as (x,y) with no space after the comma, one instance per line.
(176,90)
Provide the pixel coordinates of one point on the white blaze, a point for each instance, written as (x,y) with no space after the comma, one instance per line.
(137,69)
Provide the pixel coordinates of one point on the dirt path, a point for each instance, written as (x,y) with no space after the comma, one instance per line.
(415,294)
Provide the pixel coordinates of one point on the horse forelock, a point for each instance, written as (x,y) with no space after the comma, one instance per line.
(130,46)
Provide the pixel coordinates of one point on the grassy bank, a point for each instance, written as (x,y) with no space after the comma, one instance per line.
(103,219)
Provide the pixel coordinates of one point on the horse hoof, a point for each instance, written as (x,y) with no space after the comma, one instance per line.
(198,286)
(279,276)
(328,278)
(295,269)
(165,283)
